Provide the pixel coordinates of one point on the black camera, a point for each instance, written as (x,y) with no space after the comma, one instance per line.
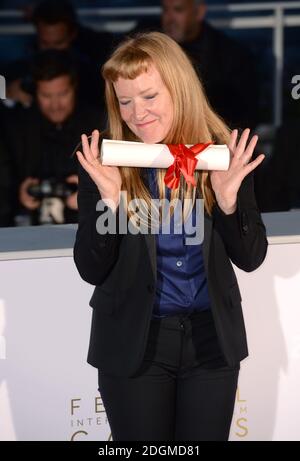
(51,188)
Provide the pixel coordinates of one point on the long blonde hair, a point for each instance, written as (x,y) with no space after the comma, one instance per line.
(194,121)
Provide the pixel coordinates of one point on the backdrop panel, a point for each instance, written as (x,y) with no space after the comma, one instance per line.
(49,392)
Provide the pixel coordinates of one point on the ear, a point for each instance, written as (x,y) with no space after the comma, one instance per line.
(201,12)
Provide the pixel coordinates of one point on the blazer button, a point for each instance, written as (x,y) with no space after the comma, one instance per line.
(150,288)
(245,228)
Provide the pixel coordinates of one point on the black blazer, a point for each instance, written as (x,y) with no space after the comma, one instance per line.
(123,269)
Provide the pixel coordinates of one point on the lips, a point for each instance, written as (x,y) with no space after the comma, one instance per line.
(141,125)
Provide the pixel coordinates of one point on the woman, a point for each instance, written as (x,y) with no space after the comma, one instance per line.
(167,332)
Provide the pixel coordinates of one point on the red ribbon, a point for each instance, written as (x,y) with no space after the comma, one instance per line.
(184,162)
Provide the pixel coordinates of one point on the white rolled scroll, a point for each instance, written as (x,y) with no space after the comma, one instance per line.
(138,154)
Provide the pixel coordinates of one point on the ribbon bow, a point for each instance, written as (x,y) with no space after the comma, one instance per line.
(185,162)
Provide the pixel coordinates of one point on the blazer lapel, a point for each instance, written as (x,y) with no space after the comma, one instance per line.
(206,240)
(151,247)
(149,238)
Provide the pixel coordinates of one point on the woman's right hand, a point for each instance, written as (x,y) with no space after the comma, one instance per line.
(107,178)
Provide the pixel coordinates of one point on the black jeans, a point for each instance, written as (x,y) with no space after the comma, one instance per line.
(184,390)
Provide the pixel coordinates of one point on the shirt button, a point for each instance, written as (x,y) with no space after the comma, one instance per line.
(179,263)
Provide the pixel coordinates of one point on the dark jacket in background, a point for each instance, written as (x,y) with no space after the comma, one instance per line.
(281,183)
(228,72)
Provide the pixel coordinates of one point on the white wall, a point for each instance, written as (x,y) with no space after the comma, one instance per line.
(44,333)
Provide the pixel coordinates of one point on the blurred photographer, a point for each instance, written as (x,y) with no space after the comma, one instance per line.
(46,136)
(57,27)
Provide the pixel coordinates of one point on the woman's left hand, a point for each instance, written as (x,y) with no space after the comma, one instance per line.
(227,183)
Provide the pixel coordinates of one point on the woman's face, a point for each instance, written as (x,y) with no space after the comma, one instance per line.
(145,105)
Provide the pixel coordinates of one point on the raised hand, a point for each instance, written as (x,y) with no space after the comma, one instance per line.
(227,183)
(107,178)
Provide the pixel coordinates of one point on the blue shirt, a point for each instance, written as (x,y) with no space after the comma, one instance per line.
(181,279)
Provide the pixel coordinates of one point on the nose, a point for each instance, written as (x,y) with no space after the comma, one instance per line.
(139,111)
(55,105)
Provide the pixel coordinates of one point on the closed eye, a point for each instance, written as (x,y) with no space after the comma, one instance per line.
(151,97)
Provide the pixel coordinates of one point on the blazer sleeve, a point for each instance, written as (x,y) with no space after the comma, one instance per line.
(243,232)
(94,254)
